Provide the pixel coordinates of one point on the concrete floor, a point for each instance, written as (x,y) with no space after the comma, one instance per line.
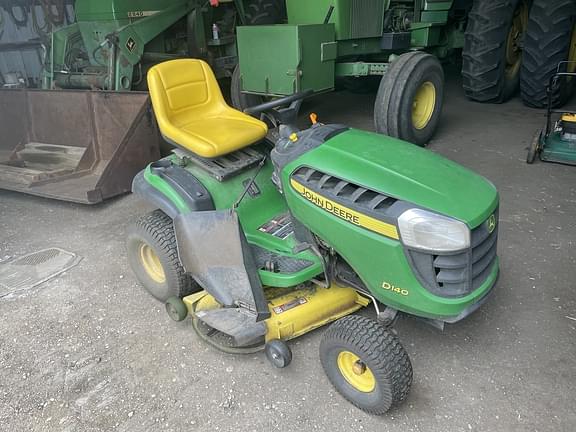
(89,351)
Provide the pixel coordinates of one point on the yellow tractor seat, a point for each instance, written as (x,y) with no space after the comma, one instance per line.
(193,114)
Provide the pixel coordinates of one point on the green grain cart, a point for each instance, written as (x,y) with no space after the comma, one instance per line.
(403,42)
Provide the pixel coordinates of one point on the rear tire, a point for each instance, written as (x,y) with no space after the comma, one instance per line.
(153,256)
(413,80)
(550,36)
(366,363)
(492,49)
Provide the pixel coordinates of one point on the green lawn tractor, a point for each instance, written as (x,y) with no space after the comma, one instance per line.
(261,236)
(557,141)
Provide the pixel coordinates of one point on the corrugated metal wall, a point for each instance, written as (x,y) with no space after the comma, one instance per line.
(27,62)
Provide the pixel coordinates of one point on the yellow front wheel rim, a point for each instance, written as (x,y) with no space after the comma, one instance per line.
(152,264)
(356,372)
(423,105)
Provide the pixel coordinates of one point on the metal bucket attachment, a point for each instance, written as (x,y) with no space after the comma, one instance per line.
(79,146)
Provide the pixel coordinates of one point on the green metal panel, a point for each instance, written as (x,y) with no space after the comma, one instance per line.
(355,47)
(558,149)
(121,10)
(282,59)
(437,5)
(407,172)
(357,69)
(353,19)
(434,17)
(425,34)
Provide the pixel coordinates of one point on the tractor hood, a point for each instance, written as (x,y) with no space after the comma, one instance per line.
(406,172)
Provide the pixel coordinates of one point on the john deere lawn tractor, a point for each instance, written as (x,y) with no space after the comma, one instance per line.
(260,241)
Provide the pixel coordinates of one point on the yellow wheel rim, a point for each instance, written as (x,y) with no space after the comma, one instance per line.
(356,372)
(515,36)
(152,264)
(423,105)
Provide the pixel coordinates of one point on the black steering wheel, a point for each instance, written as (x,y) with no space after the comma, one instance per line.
(294,101)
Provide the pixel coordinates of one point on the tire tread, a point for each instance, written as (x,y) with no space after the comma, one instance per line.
(384,352)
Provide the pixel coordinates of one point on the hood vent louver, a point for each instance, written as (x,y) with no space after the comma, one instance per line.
(345,192)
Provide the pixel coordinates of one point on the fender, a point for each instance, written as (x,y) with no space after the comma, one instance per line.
(172,189)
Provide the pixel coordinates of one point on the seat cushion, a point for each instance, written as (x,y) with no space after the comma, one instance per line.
(217,135)
(192,113)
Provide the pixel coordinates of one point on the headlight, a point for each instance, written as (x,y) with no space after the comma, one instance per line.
(422,229)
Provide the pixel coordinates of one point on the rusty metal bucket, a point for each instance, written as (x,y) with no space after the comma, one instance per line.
(80,146)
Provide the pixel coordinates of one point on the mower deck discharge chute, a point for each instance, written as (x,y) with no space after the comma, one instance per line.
(78,146)
(260,242)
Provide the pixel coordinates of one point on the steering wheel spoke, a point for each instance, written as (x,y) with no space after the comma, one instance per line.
(274,111)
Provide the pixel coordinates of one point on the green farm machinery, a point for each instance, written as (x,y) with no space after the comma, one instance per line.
(113,43)
(87,140)
(404,43)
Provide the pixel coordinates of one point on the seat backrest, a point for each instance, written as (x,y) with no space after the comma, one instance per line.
(180,88)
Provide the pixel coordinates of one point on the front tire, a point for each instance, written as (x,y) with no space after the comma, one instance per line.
(492,52)
(410,98)
(550,39)
(366,363)
(153,256)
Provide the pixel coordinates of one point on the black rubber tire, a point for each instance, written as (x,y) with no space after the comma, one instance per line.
(534,148)
(262,12)
(240,100)
(546,43)
(380,350)
(484,54)
(393,106)
(176,309)
(156,230)
(278,353)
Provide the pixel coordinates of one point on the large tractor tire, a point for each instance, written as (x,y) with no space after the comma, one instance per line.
(153,256)
(366,363)
(492,52)
(410,97)
(550,39)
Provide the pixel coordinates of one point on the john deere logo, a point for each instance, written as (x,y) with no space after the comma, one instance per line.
(491,224)
(131,44)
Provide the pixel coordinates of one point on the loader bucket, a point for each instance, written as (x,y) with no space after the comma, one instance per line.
(79,146)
